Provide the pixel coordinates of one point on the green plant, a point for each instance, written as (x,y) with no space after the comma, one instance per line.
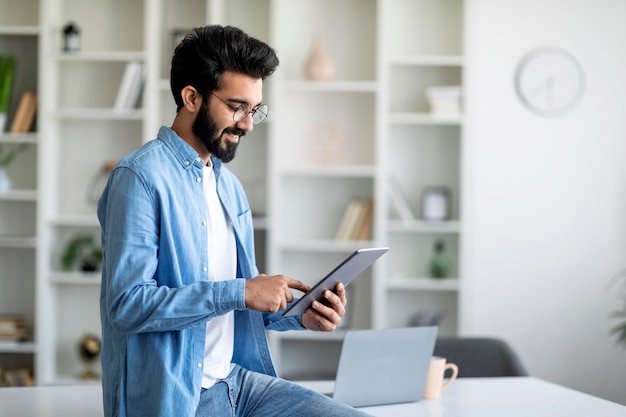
(7,70)
(619,330)
(82,252)
(7,157)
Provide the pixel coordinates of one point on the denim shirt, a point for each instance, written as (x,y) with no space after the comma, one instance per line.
(155,297)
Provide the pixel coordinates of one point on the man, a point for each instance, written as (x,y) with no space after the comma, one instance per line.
(183,308)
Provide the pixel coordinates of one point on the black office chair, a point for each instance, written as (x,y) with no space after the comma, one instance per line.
(480,357)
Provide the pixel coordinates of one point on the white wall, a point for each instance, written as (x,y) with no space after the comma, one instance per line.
(546,198)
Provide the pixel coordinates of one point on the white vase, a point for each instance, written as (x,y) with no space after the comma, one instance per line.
(3,122)
(5,181)
(319,65)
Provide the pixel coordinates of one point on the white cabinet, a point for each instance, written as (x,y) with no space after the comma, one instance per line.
(20,38)
(387,53)
(422,47)
(82,132)
(324,144)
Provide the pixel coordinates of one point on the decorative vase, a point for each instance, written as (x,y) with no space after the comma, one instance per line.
(319,65)
(3,122)
(439,266)
(5,181)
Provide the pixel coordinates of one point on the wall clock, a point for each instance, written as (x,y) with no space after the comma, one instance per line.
(549,81)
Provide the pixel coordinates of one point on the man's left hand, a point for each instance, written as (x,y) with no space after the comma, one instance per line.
(326,318)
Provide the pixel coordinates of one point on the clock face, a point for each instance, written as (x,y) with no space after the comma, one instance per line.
(549,81)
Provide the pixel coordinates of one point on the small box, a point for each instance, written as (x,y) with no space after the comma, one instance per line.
(444,100)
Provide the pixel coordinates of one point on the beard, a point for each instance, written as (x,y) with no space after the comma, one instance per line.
(205,128)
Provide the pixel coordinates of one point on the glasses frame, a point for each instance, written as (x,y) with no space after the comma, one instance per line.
(240,112)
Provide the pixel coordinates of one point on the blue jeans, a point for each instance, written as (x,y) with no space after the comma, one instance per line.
(244,393)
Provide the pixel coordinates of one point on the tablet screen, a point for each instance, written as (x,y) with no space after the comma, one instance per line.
(345,272)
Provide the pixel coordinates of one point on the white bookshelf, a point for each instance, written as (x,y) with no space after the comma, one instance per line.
(20,33)
(385,56)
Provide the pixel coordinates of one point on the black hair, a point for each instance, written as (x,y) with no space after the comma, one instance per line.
(206,52)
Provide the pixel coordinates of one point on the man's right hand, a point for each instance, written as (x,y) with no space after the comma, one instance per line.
(271,293)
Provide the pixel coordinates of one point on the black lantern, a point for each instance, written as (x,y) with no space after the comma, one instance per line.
(71,38)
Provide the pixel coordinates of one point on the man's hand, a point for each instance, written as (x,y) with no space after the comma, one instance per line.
(270,293)
(325,318)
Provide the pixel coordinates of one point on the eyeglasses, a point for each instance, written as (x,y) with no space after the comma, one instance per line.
(239,113)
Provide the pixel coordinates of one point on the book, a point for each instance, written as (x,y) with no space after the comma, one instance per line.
(25,114)
(21,377)
(130,88)
(357,220)
(13,328)
(399,201)
(349,219)
(364,228)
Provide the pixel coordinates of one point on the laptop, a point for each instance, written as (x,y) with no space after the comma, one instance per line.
(385,366)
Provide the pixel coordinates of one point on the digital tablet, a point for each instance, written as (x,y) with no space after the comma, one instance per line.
(345,272)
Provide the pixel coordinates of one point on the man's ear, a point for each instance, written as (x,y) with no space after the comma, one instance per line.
(192,100)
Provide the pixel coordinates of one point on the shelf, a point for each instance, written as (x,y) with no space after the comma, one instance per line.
(325,245)
(76,220)
(12,346)
(19,30)
(19,195)
(355,171)
(100,114)
(336,336)
(423,284)
(72,380)
(425,119)
(105,56)
(428,60)
(18,242)
(260,223)
(420,226)
(332,86)
(75,278)
(164,84)
(18,138)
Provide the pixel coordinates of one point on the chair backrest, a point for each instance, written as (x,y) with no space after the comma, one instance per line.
(480,357)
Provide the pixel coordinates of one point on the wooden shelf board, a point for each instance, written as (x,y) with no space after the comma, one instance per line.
(428,60)
(75,278)
(420,226)
(423,284)
(19,195)
(99,114)
(30,137)
(425,119)
(18,242)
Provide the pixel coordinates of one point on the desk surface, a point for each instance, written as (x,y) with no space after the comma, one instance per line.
(466,397)
(498,397)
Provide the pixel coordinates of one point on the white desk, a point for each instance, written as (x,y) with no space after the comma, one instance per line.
(497,397)
(466,397)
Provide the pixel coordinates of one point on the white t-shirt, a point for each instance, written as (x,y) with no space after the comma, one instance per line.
(220,331)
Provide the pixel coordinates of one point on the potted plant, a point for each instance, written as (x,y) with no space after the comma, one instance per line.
(7,70)
(82,253)
(6,157)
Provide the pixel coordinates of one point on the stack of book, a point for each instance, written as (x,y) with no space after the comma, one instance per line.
(22,377)
(13,327)
(356,223)
(129,92)
(25,116)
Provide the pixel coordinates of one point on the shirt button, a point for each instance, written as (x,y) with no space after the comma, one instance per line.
(198,179)
(198,159)
(205,269)
(199,364)
(203,223)
(187,163)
